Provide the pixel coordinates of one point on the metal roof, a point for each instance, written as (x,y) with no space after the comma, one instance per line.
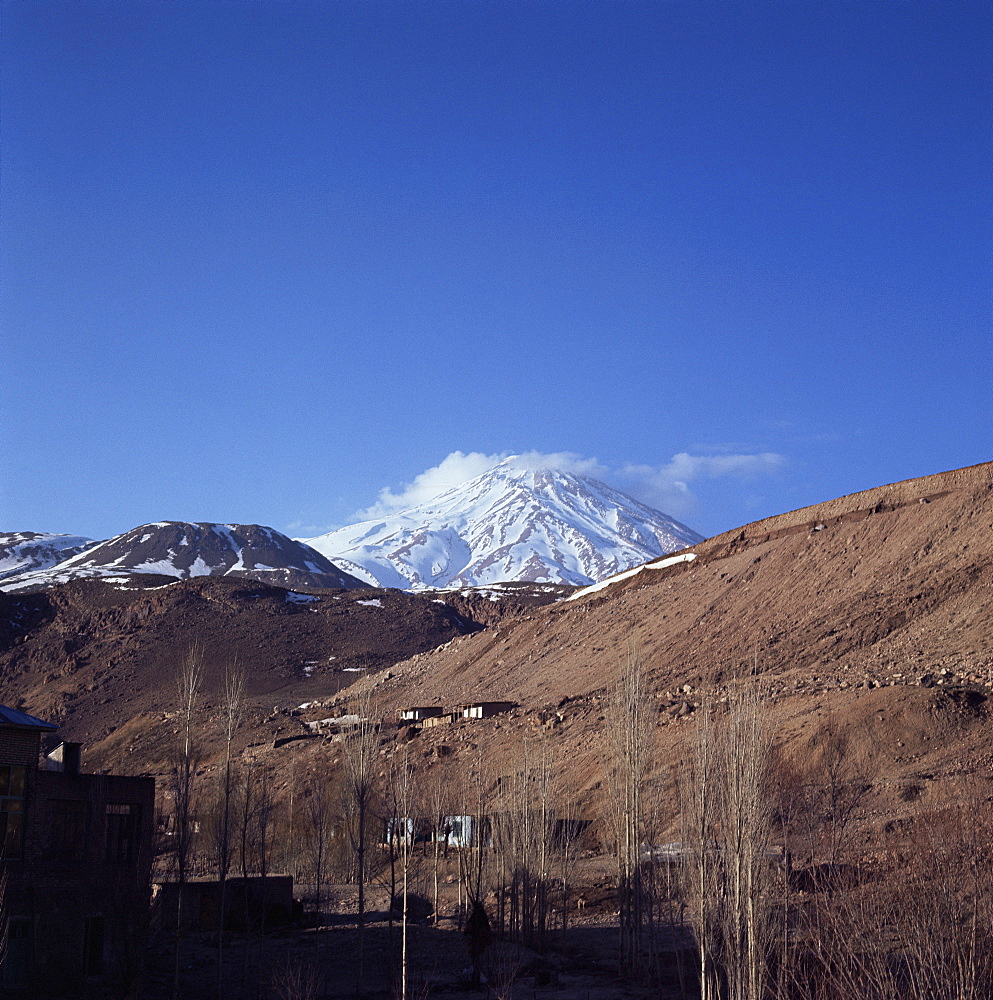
(12,717)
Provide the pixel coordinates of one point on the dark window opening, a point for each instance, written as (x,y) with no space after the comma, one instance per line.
(11,810)
(17,962)
(68,827)
(93,946)
(123,831)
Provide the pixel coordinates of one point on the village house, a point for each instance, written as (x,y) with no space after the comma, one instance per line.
(456,831)
(421,713)
(77,855)
(484,709)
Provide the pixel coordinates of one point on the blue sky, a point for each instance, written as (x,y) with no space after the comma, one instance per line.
(262,260)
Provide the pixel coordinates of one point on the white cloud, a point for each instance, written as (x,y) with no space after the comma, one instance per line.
(666,487)
(562,461)
(458,467)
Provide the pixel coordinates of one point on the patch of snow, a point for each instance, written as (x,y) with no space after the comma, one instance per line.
(374,603)
(294,598)
(199,567)
(163,566)
(661,564)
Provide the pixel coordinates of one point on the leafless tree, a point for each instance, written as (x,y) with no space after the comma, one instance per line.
(629,733)
(744,839)
(187,760)
(522,828)
(234,688)
(439,802)
(298,980)
(319,831)
(699,820)
(359,759)
(402,794)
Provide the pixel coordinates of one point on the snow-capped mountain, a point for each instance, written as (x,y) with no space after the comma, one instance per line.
(511,523)
(182,550)
(25,551)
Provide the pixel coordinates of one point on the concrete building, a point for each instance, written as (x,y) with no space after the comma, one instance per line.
(484,709)
(420,713)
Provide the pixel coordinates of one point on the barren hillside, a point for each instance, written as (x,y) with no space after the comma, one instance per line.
(871,613)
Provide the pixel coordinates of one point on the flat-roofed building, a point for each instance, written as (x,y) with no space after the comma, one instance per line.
(77,851)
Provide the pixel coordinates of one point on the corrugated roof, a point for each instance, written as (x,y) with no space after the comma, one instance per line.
(12,717)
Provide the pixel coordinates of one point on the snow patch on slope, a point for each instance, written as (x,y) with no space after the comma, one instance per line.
(30,551)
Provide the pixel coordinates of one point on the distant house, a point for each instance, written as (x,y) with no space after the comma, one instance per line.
(466,831)
(77,852)
(484,709)
(454,831)
(421,713)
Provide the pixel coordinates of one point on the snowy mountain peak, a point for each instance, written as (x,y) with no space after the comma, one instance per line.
(26,551)
(182,550)
(519,521)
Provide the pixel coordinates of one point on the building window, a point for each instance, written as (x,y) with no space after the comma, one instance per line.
(68,826)
(17,963)
(123,831)
(93,946)
(11,809)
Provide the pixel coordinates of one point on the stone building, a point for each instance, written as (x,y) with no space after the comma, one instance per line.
(77,854)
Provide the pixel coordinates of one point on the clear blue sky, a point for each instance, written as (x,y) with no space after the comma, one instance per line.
(262,259)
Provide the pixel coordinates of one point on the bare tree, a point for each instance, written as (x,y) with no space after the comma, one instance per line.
(359,758)
(522,830)
(629,731)
(744,838)
(402,795)
(440,809)
(319,820)
(234,687)
(187,760)
(699,819)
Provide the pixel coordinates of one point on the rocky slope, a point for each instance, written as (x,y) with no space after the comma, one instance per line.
(514,522)
(893,580)
(101,659)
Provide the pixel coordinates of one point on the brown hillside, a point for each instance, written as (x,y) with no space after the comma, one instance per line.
(95,657)
(889,581)
(872,613)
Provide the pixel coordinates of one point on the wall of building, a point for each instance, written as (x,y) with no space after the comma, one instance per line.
(78,895)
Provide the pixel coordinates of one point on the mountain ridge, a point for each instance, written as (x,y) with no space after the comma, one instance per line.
(29,551)
(184,549)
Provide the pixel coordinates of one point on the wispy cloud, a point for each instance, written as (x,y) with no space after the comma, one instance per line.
(667,487)
(457,468)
